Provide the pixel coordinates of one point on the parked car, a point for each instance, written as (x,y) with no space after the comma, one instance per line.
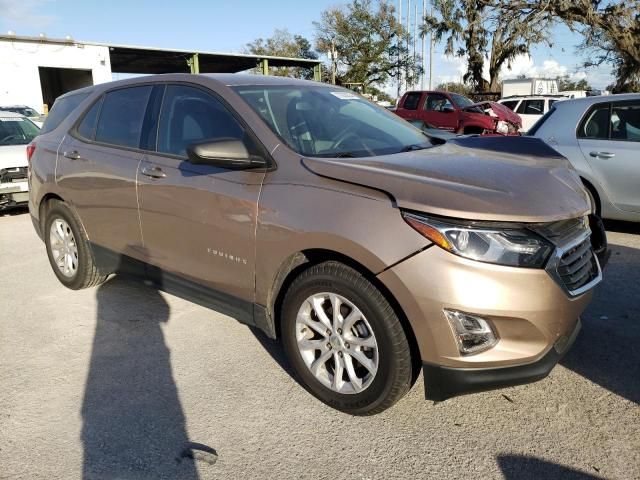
(531,108)
(457,113)
(601,138)
(16,131)
(320,218)
(28,112)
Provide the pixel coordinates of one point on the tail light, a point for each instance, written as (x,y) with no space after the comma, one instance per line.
(31,148)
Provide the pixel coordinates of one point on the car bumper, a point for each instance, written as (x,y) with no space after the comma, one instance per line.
(442,383)
(13,194)
(529,312)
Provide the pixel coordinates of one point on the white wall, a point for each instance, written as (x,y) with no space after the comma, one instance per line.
(19,62)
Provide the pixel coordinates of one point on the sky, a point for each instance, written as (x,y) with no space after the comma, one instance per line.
(227,26)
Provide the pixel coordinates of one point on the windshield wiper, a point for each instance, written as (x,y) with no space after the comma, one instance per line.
(414,147)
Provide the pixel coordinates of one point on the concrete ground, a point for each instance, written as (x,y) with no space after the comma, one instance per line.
(122,381)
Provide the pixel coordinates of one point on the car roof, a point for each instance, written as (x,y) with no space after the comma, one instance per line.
(227,79)
(601,99)
(534,97)
(7,114)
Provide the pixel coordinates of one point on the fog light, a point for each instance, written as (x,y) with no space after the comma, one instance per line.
(473,334)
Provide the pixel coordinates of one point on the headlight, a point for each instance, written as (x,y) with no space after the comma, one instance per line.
(502,127)
(516,247)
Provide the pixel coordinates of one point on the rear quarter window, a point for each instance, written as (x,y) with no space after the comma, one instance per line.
(62,107)
(536,126)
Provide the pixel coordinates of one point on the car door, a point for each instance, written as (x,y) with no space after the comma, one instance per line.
(439,112)
(530,111)
(409,106)
(198,221)
(97,167)
(609,138)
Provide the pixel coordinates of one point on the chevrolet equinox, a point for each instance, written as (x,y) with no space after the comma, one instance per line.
(372,251)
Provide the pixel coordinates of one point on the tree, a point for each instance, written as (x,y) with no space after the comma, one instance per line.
(479,30)
(610,29)
(565,83)
(284,44)
(370,44)
(455,87)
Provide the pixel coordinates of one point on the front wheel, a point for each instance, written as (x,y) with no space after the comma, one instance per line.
(345,341)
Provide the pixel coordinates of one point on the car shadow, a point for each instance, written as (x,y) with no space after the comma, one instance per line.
(133,421)
(606,351)
(520,467)
(621,227)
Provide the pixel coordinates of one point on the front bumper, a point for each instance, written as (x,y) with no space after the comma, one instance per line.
(13,194)
(442,383)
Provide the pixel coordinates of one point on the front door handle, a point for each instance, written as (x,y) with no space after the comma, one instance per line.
(72,155)
(602,154)
(153,171)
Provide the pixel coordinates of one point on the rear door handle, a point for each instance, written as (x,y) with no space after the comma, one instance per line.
(153,171)
(602,154)
(72,155)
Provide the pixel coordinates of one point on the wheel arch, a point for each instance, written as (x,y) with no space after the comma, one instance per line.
(594,192)
(296,263)
(45,202)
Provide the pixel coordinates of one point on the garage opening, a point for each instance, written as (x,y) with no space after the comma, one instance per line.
(58,81)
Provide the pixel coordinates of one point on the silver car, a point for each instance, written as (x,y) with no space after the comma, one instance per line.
(601,138)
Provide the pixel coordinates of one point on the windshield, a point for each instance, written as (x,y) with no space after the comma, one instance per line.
(461,101)
(17,131)
(331,122)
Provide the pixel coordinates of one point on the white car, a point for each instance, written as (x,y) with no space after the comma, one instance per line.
(531,107)
(16,132)
(600,136)
(28,112)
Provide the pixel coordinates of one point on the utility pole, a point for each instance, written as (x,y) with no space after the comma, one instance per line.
(431,56)
(415,35)
(399,48)
(408,38)
(424,60)
(333,56)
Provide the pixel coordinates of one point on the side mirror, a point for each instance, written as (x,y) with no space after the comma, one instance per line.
(224,153)
(448,110)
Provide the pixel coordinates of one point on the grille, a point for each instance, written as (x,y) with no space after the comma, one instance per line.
(13,174)
(578,266)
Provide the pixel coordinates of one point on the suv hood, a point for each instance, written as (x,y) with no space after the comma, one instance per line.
(513,179)
(500,112)
(12,156)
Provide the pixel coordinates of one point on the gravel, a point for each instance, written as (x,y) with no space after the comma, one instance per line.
(122,381)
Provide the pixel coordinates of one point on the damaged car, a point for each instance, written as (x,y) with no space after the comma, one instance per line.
(16,131)
(456,113)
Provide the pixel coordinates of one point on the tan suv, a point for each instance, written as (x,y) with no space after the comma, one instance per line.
(369,249)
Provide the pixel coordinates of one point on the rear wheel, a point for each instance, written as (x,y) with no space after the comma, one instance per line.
(68,248)
(345,341)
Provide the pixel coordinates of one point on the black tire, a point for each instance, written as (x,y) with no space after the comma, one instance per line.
(393,378)
(86,274)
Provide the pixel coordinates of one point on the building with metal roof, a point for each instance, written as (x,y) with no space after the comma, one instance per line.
(34,71)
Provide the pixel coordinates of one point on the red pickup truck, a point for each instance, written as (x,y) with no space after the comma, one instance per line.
(456,113)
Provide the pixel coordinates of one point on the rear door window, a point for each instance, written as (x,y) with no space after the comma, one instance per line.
(412,100)
(190,115)
(531,107)
(121,116)
(62,107)
(511,104)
